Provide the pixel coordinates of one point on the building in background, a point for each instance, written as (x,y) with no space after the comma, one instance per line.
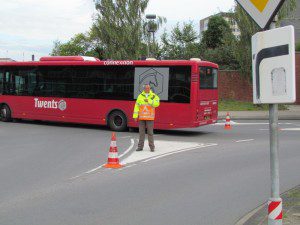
(228,17)
(294,19)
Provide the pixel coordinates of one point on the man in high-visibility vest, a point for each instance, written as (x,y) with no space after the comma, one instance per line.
(144,112)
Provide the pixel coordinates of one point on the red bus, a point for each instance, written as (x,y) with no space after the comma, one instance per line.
(77,89)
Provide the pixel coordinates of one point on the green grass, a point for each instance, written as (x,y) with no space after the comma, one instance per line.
(294,193)
(231,105)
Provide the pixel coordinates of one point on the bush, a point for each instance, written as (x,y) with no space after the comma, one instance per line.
(298,47)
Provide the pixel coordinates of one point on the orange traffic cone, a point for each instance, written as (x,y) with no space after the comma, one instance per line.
(227,123)
(113,158)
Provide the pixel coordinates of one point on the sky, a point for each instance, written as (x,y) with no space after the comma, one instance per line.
(30,27)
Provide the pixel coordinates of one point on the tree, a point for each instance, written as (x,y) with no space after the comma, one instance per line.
(248,28)
(80,44)
(218,43)
(119,26)
(182,43)
(216,32)
(298,47)
(118,32)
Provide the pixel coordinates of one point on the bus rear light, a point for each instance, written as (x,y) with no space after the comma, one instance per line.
(171,124)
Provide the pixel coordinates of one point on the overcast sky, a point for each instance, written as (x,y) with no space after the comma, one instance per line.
(31,26)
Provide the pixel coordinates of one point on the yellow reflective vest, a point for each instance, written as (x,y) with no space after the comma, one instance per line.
(146,110)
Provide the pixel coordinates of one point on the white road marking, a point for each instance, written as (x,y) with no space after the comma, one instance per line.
(126,167)
(93,170)
(99,167)
(128,150)
(126,137)
(162,148)
(290,129)
(244,140)
(179,151)
(237,123)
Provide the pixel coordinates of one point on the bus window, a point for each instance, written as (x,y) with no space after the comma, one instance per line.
(31,82)
(208,78)
(180,84)
(20,88)
(1,81)
(9,86)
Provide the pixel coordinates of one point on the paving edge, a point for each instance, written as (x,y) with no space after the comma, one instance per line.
(249,215)
(245,218)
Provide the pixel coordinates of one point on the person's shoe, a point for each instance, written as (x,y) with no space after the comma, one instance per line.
(152,150)
(138,150)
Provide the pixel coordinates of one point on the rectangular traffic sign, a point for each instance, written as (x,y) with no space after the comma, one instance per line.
(262,11)
(273,66)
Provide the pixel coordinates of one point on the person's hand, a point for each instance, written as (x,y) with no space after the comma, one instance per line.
(146,100)
(135,119)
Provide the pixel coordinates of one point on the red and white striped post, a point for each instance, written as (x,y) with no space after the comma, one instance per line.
(275,211)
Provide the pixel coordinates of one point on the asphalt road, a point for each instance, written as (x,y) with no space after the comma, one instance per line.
(51,174)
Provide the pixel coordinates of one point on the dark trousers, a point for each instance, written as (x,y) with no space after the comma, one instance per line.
(143,124)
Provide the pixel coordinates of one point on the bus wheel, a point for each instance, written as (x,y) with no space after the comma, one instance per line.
(5,113)
(117,121)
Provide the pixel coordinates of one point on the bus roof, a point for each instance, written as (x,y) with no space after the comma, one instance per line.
(89,61)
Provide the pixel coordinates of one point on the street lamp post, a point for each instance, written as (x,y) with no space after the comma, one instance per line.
(151,28)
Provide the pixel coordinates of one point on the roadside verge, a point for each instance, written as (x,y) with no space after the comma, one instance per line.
(291,210)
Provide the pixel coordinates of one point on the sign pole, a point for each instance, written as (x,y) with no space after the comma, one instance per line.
(275,202)
(277,83)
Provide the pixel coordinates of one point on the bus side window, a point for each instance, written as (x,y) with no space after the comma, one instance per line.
(1,82)
(9,87)
(31,81)
(20,85)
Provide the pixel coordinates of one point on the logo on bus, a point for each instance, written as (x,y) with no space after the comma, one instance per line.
(61,105)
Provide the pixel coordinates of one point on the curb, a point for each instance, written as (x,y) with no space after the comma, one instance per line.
(247,217)
(259,214)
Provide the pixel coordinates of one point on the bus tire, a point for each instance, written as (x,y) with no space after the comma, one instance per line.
(117,121)
(5,113)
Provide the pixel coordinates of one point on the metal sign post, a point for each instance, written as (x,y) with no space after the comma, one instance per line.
(274,163)
(273,83)
(273,64)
